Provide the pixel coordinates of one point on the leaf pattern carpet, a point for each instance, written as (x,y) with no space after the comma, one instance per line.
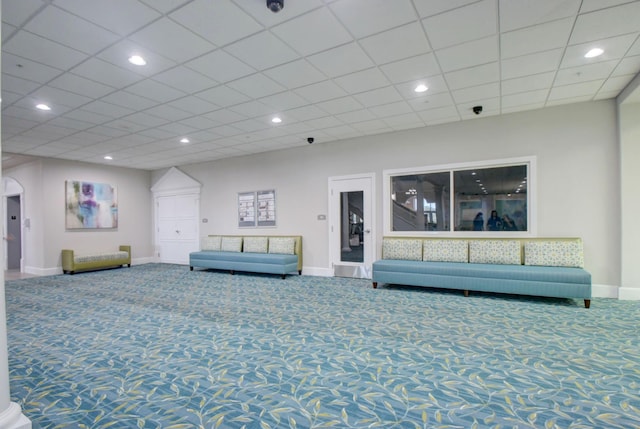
(159,346)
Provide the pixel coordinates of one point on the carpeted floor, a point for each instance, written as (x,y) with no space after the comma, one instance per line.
(158,346)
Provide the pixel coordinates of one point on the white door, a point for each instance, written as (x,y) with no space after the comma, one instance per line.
(177,227)
(351,221)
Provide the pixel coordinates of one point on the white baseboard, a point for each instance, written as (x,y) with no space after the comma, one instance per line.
(43,271)
(604,291)
(317,271)
(147,260)
(629,293)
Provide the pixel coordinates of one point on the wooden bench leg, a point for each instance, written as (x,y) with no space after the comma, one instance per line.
(466,293)
(587,303)
(283,276)
(190,268)
(375,285)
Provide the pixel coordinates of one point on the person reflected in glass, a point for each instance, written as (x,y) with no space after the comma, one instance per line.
(508,224)
(494,223)
(478,222)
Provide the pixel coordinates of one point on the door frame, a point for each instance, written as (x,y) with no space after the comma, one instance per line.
(364,268)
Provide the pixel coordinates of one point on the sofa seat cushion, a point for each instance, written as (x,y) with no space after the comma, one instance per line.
(106,256)
(488,271)
(260,258)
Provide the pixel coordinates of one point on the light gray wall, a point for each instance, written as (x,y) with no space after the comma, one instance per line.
(44,192)
(575,145)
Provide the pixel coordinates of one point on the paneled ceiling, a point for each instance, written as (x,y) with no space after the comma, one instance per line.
(218,71)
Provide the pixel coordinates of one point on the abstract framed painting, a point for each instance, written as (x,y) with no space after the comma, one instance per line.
(91,205)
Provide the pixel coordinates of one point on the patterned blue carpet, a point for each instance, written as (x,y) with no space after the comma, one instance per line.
(158,346)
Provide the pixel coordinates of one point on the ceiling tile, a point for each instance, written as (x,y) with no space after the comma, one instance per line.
(129,100)
(26,69)
(585,73)
(537,97)
(462,25)
(616,84)
(313,32)
(107,109)
(356,116)
(320,91)
(220,66)
(8,30)
(106,14)
(583,89)
(435,85)
(17,12)
(468,54)
(224,116)
(477,93)
(53,54)
(340,105)
(106,73)
(185,80)
(256,86)
(295,74)
(520,14)
(168,112)
(155,91)
(366,17)
(391,109)
(378,96)
(252,109)
(18,85)
(527,83)
(399,43)
(362,81)
(146,121)
(119,54)
(59,97)
(284,101)
(268,19)
(220,23)
(531,64)
(332,62)
(473,76)
(78,33)
(629,65)
(614,47)
(262,51)
(430,102)
(193,105)
(412,69)
(606,23)
(433,7)
(79,85)
(222,96)
(171,40)
(542,37)
(306,113)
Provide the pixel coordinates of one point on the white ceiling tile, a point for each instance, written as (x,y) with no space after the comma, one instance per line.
(67,122)
(185,80)
(87,116)
(222,96)
(107,109)
(477,93)
(366,17)
(60,97)
(17,12)
(313,32)
(519,14)
(340,105)
(18,85)
(524,98)
(53,54)
(78,33)
(433,7)
(616,84)
(614,47)
(391,109)
(193,105)
(155,91)
(629,65)
(220,23)
(404,122)
(250,125)
(591,5)
(226,131)
(291,10)
(295,74)
(362,81)
(129,100)
(473,76)
(79,85)
(252,109)
(325,122)
(220,66)
(462,25)
(399,43)
(106,73)
(168,112)
(468,54)
(531,64)
(378,96)
(435,85)
(256,86)
(320,91)
(582,89)
(585,73)
(332,62)
(145,120)
(26,69)
(7,30)
(119,54)
(177,129)
(542,37)
(106,15)
(262,51)
(224,116)
(607,23)
(284,101)
(527,83)
(199,123)
(356,116)
(171,40)
(412,69)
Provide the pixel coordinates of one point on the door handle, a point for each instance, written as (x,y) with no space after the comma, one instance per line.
(368,231)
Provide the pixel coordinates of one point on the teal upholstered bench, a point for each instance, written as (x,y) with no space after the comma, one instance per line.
(552,267)
(259,254)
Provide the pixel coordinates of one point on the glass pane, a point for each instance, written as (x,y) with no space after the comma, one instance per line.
(420,202)
(491,199)
(352,227)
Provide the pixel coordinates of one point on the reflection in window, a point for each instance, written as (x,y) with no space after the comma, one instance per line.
(491,199)
(420,202)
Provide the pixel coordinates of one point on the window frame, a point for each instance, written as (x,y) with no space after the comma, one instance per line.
(529,161)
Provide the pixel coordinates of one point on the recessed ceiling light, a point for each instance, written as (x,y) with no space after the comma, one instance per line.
(42,106)
(184,140)
(421,88)
(276,120)
(137,60)
(594,53)
(108,157)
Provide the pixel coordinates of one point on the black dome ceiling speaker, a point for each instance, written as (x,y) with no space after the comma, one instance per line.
(275,6)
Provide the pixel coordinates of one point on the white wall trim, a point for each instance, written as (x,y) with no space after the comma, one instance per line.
(317,271)
(629,294)
(604,291)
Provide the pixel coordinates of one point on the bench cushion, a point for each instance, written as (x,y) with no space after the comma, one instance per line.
(106,256)
(554,253)
(402,248)
(282,245)
(495,252)
(211,242)
(231,244)
(446,250)
(255,244)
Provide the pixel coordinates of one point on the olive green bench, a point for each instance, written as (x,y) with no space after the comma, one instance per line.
(73,262)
